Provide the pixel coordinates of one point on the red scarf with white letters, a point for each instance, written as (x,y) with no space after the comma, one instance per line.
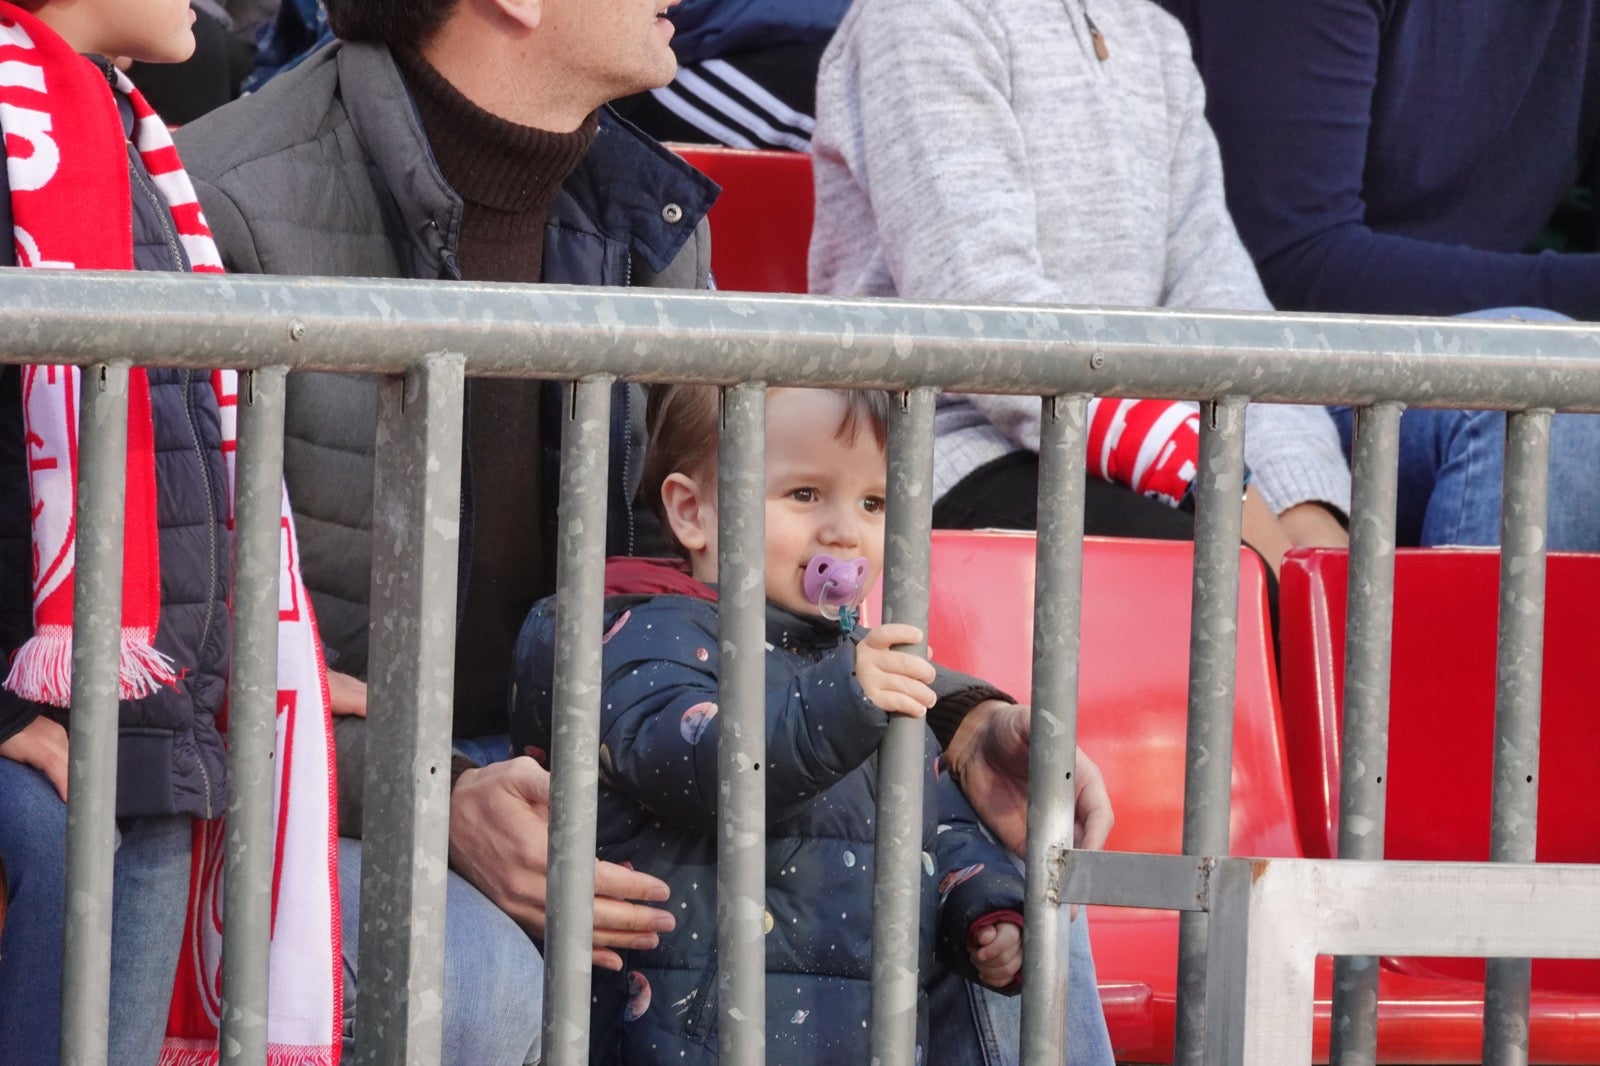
(71,210)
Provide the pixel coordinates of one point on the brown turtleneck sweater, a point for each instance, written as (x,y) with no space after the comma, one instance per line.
(507,176)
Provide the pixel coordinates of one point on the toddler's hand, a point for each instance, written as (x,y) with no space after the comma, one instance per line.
(897,681)
(998,956)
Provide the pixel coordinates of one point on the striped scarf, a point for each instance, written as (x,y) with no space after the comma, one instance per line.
(72,210)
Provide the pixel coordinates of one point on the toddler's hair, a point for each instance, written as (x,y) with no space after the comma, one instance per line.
(682,421)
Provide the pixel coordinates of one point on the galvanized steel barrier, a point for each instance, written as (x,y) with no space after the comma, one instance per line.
(427,337)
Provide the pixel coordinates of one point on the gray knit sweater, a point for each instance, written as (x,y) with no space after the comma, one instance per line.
(977,151)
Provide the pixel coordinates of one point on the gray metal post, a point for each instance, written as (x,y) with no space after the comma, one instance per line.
(1513,830)
(575,744)
(92,725)
(1374,468)
(897,886)
(1213,663)
(1058,592)
(742,743)
(252,716)
(415,546)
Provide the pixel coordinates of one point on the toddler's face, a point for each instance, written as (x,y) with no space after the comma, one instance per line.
(825,494)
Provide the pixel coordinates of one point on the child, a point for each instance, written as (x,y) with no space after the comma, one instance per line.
(92,181)
(830,691)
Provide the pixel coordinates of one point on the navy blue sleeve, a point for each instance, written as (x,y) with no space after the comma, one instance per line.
(1291,90)
(977,878)
(16,566)
(660,720)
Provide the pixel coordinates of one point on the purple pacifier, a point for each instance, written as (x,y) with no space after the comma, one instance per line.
(836,587)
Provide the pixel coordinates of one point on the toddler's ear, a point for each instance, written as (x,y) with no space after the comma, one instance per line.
(690,509)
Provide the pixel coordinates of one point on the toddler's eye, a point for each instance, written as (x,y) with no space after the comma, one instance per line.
(805,495)
(872,504)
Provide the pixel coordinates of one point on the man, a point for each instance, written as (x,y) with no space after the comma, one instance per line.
(460,139)
(1060,156)
(466,138)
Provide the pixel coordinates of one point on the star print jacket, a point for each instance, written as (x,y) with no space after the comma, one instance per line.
(658,810)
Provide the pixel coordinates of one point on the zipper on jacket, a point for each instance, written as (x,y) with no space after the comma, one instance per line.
(1101,52)
(169,232)
(211,541)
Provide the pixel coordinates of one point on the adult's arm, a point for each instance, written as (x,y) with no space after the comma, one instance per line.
(1291,90)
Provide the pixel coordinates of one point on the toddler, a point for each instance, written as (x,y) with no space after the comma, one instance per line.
(831,687)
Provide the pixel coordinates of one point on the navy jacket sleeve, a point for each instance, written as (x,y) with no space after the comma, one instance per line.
(1292,90)
(660,720)
(977,877)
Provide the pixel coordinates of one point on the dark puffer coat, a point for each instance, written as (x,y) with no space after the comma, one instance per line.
(170,755)
(658,809)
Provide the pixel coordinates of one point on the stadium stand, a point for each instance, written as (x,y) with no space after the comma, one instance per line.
(1441,727)
(1132,712)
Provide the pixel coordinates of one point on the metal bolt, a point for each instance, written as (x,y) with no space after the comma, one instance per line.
(672,213)
(297,330)
(1097,361)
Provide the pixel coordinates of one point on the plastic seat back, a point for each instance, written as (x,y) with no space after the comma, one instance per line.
(1133,684)
(761,224)
(1441,719)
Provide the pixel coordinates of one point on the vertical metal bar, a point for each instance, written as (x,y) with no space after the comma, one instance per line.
(92,722)
(1227,959)
(741,749)
(1519,677)
(1213,662)
(898,879)
(415,546)
(575,745)
(1058,591)
(1375,474)
(252,716)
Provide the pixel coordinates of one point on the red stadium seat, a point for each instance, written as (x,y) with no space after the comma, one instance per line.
(761,224)
(1132,694)
(1441,728)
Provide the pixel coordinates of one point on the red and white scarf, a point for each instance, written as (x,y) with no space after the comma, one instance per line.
(71,208)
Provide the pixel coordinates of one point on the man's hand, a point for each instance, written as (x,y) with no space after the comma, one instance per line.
(41,744)
(998,956)
(989,758)
(1313,525)
(897,681)
(346,695)
(499,841)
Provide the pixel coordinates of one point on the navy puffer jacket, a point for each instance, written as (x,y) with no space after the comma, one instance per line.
(658,808)
(170,755)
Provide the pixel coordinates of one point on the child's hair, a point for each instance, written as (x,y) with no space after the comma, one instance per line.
(682,421)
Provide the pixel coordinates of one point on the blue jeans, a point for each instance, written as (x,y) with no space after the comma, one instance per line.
(151,889)
(1452,464)
(970,1025)
(493,974)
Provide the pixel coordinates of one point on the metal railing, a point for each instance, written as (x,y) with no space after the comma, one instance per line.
(427,337)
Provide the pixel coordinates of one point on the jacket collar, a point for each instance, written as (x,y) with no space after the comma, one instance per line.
(621,192)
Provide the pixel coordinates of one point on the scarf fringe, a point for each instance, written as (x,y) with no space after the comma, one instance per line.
(41,670)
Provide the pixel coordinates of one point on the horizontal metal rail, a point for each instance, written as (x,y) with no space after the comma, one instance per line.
(572,333)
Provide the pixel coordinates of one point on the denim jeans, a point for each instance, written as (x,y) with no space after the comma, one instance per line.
(1452,464)
(970,1025)
(150,893)
(493,974)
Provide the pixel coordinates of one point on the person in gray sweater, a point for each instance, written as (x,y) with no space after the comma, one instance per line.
(1037,151)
